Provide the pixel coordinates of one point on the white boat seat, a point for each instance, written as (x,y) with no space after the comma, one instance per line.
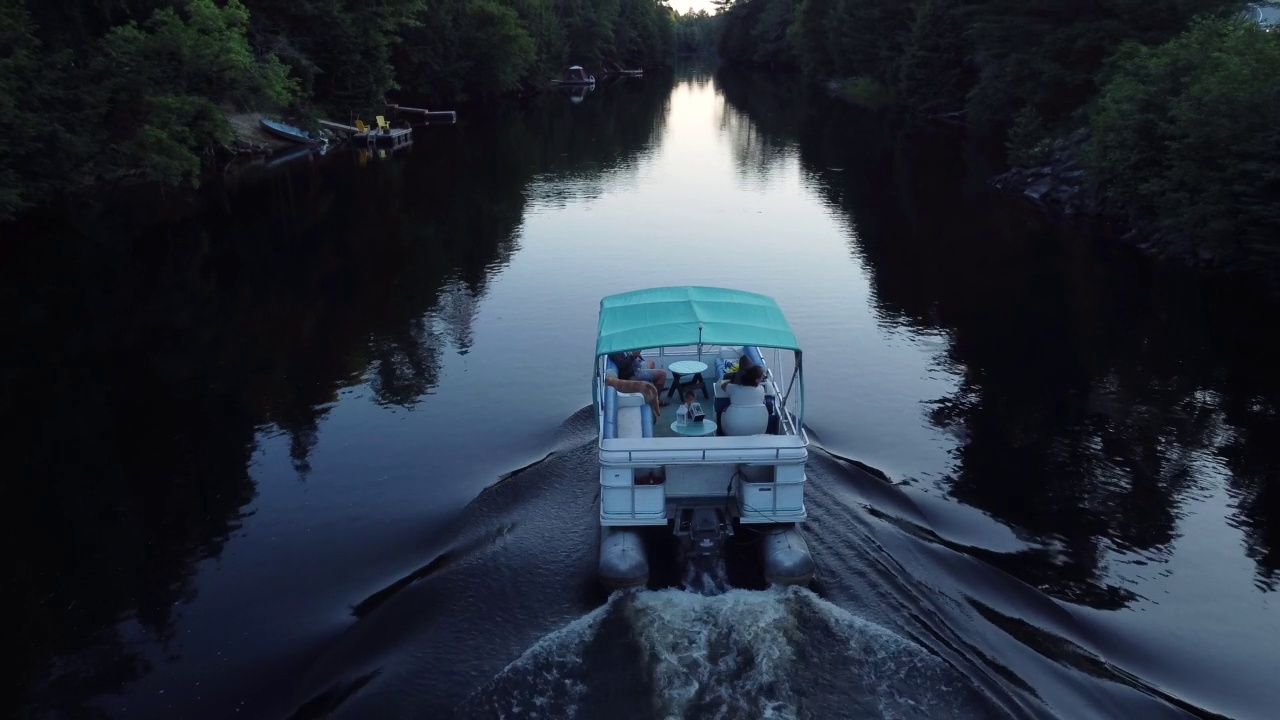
(626,415)
(631,410)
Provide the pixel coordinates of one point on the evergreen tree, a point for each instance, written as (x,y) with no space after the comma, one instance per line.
(932,76)
(1187,131)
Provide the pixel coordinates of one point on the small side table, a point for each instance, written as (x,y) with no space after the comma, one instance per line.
(698,429)
(692,368)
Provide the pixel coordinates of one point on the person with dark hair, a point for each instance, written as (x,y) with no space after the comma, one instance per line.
(751,377)
(746,413)
(745,363)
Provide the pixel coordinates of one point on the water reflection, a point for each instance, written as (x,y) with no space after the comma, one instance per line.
(756,123)
(1096,395)
(154,343)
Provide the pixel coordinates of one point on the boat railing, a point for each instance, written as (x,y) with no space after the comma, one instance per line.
(787,416)
(717,449)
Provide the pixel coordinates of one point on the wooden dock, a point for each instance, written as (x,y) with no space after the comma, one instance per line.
(390,138)
(444,116)
(338,126)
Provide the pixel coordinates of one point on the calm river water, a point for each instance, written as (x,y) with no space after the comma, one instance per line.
(314,442)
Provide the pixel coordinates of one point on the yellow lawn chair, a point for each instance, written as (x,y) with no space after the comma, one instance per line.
(383,124)
(364,129)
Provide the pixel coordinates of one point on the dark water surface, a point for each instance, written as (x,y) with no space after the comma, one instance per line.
(314,442)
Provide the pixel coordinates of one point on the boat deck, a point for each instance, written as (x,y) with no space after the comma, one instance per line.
(662,426)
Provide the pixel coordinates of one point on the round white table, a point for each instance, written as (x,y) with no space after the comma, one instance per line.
(698,429)
(692,368)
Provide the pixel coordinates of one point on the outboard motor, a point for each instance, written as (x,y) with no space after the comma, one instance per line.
(702,531)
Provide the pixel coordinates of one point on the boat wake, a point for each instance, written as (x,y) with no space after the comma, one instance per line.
(706,576)
(780,653)
(911,618)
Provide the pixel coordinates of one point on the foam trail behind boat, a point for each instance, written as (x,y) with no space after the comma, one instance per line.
(740,653)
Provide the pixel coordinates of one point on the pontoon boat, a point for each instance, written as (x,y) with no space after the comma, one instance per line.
(743,465)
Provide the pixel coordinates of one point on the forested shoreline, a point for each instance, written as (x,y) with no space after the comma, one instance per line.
(99,90)
(1157,113)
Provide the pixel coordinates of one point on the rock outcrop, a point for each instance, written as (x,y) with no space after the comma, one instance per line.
(1061,188)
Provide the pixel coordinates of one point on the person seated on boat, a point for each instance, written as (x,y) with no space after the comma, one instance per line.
(750,376)
(633,366)
(737,372)
(747,412)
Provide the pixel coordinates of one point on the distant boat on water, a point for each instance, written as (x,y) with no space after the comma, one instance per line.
(1264,15)
(575,75)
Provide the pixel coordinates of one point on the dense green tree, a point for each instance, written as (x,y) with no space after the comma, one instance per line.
(108,88)
(932,75)
(696,33)
(867,37)
(1058,73)
(808,35)
(19,69)
(164,82)
(825,38)
(737,45)
(501,51)
(1187,131)
(769,34)
(341,49)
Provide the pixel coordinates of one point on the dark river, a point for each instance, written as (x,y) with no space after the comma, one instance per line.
(315,441)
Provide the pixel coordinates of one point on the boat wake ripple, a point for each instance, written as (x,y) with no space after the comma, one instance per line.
(914,620)
(781,653)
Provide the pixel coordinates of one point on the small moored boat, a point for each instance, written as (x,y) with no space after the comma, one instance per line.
(575,75)
(700,478)
(290,132)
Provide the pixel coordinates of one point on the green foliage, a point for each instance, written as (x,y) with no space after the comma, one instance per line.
(769,34)
(824,38)
(864,92)
(142,87)
(1028,144)
(340,49)
(205,55)
(1187,130)
(931,75)
(868,37)
(1184,125)
(1058,72)
(161,86)
(696,33)
(808,35)
(502,52)
(19,128)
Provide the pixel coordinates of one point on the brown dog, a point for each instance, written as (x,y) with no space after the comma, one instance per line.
(646,388)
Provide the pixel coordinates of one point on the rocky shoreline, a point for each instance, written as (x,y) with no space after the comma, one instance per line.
(250,138)
(1062,190)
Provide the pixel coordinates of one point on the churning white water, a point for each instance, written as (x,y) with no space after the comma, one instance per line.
(779,653)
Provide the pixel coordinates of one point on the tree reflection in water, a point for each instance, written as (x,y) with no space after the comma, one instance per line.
(150,343)
(1097,391)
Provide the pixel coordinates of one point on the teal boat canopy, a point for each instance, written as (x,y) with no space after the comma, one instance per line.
(690,315)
